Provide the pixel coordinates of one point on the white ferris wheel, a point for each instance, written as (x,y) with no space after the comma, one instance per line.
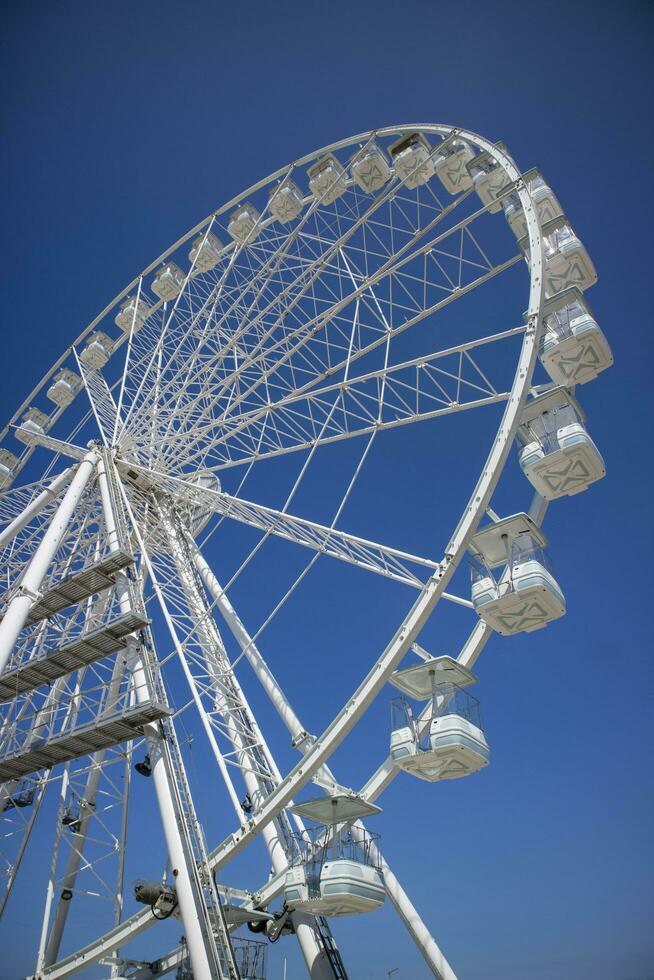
(310,322)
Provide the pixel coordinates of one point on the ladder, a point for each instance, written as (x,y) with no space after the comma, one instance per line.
(214,924)
(331,949)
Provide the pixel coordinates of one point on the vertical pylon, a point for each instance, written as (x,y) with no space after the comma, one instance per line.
(407,912)
(260,773)
(26,595)
(211,957)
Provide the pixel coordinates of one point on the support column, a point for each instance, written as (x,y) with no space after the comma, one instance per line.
(306,929)
(200,945)
(410,917)
(399,898)
(250,650)
(34,508)
(19,608)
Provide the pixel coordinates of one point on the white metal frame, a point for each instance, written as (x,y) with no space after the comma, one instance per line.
(310,415)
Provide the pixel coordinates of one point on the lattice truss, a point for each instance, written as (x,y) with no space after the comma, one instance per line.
(286,341)
(194,631)
(94,630)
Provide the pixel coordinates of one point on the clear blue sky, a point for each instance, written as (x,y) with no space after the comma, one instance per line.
(120,126)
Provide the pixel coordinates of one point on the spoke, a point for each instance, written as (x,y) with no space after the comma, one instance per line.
(260,281)
(180,451)
(389,562)
(415,390)
(59,446)
(265,345)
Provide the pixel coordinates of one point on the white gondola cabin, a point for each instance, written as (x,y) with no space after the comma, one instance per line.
(8,463)
(451,166)
(557,455)
(336,869)
(412,159)
(545,202)
(132,314)
(370,169)
(567,263)
(205,252)
(286,202)
(64,388)
(445,739)
(573,348)
(488,179)
(243,224)
(168,282)
(33,424)
(526,597)
(97,351)
(327,179)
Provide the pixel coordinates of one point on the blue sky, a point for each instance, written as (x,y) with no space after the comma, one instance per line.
(125,124)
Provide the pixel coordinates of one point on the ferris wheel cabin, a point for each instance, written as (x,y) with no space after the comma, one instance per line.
(285,202)
(33,424)
(243,224)
(567,263)
(132,314)
(64,388)
(327,179)
(205,252)
(451,166)
(370,170)
(97,351)
(168,282)
(8,463)
(336,869)
(488,179)
(412,158)
(527,597)
(445,739)
(557,455)
(573,349)
(545,202)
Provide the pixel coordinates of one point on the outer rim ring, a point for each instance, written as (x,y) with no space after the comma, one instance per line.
(426,602)
(437,129)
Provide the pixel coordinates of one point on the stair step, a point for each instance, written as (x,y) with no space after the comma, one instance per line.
(102,733)
(80,585)
(80,652)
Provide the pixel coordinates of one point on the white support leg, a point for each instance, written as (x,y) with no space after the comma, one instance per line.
(27,594)
(411,918)
(400,900)
(34,508)
(51,951)
(120,874)
(256,661)
(201,945)
(50,892)
(306,929)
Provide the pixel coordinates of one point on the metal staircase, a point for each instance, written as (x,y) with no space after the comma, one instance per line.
(85,649)
(80,585)
(331,949)
(100,733)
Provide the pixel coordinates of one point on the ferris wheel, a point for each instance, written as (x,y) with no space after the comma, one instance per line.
(230,402)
